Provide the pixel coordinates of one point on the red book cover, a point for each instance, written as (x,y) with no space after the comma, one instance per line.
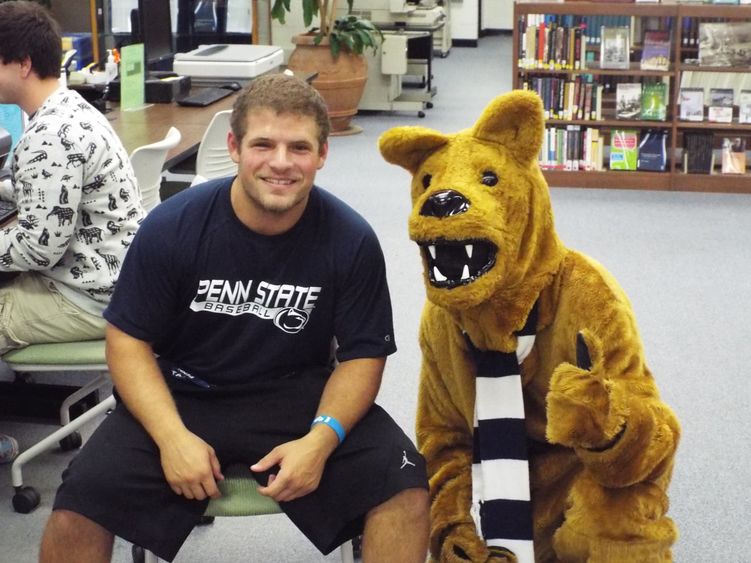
(541,43)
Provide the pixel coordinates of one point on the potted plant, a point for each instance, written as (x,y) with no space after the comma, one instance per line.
(334,49)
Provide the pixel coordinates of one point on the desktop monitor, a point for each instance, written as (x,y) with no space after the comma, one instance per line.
(12,123)
(5,145)
(155,31)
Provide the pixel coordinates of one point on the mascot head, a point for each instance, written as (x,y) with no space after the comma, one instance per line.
(481,209)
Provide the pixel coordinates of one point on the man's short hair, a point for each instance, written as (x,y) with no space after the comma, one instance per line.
(28,30)
(280,93)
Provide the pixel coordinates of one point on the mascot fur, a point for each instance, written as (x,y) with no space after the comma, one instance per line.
(601,442)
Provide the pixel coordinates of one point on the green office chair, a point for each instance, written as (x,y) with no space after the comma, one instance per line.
(85,356)
(240,497)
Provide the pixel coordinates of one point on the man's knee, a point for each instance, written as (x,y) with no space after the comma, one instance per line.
(412,504)
(74,527)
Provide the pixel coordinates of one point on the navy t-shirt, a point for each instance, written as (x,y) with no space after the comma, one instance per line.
(223,305)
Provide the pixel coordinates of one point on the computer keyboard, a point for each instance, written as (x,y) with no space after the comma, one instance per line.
(204,97)
(8,210)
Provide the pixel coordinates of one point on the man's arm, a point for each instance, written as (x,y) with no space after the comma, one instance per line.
(190,464)
(349,393)
(48,198)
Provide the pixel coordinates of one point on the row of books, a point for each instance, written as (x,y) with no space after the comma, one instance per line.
(559,41)
(580,98)
(552,41)
(575,148)
(568,98)
(578,148)
(557,48)
(572,148)
(719,108)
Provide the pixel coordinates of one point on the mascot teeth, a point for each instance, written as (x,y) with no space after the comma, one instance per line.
(454,263)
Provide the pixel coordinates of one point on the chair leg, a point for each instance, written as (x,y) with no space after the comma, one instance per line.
(50,441)
(347,552)
(96,383)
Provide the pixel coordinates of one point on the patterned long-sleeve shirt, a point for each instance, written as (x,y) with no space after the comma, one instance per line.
(78,201)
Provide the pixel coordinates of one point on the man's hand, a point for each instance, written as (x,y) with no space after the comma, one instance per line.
(191,467)
(301,464)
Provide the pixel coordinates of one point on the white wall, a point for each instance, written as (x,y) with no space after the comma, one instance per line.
(464,17)
(498,14)
(281,35)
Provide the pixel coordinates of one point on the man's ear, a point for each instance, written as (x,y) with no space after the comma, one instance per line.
(233,146)
(323,153)
(26,67)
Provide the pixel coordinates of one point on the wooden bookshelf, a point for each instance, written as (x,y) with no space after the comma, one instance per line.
(682,56)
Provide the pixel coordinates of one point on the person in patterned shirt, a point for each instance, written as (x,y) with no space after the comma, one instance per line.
(78,200)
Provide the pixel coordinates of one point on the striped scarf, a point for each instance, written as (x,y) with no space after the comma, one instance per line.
(501,505)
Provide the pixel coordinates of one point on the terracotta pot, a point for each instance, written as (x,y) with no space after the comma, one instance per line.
(340,81)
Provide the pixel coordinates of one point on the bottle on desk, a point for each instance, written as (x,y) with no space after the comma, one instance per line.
(111,66)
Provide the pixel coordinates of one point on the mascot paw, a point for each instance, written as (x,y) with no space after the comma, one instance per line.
(458,555)
(579,405)
(463,545)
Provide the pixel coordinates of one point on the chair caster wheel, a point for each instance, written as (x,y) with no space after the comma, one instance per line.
(25,500)
(429,105)
(71,442)
(421,114)
(206,520)
(138,553)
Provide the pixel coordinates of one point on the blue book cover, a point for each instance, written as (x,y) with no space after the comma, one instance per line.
(653,151)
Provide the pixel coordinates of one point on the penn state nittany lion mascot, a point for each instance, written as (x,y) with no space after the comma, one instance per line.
(544,433)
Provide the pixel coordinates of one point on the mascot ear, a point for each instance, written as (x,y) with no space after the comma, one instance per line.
(409,146)
(516,121)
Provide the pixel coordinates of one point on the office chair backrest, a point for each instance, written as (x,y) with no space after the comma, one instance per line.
(213,160)
(147,162)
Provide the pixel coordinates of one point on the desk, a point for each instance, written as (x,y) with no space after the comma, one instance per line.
(150,124)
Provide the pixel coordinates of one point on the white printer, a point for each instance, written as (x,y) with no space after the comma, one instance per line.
(231,61)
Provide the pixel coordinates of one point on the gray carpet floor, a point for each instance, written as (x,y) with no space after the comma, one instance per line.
(681,257)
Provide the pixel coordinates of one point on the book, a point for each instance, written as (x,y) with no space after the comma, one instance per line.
(653,151)
(720,105)
(725,44)
(692,104)
(628,100)
(653,106)
(733,155)
(698,156)
(744,106)
(615,47)
(655,53)
(624,149)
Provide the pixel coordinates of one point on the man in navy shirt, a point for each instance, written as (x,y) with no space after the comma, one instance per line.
(219,344)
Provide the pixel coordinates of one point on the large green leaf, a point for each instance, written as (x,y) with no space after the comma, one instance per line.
(309,9)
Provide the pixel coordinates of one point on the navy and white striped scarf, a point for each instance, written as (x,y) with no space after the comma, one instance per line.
(501,504)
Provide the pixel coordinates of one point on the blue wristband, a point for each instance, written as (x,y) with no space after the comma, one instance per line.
(332,423)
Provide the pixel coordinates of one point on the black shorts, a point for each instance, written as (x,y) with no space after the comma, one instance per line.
(117,480)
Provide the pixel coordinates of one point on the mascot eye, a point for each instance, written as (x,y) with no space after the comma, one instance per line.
(426,180)
(489,178)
